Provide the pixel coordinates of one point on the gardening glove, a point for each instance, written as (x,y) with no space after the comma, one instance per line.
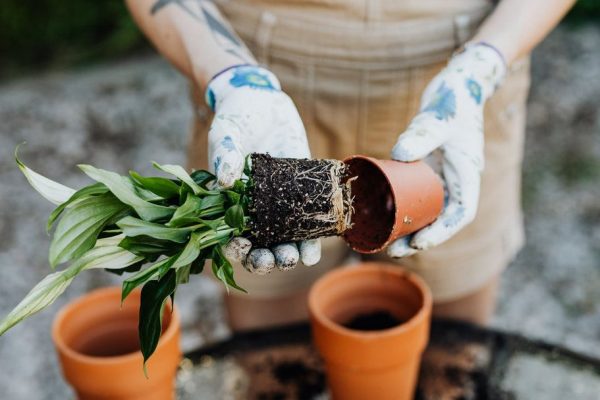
(450,121)
(253,115)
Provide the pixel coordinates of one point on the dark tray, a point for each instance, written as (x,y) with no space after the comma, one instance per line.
(462,361)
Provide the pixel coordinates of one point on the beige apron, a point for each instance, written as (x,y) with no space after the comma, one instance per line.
(356,70)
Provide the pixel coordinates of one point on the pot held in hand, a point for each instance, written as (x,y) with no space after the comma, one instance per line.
(370,324)
(369,202)
(98,347)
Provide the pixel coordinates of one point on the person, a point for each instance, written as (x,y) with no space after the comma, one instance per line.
(342,77)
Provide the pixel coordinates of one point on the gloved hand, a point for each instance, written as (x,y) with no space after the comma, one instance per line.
(451,121)
(253,115)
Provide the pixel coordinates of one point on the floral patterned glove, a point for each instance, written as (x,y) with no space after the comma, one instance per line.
(451,121)
(253,115)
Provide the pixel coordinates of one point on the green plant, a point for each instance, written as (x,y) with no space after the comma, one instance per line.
(160,230)
(157,230)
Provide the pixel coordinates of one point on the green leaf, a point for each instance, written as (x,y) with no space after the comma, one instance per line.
(123,188)
(216,200)
(248,165)
(52,191)
(202,177)
(42,295)
(156,269)
(147,246)
(183,176)
(91,190)
(212,212)
(223,269)
(187,213)
(147,195)
(197,265)
(213,224)
(183,274)
(212,205)
(81,224)
(184,190)
(190,252)
(132,226)
(220,236)
(154,295)
(188,255)
(234,217)
(128,270)
(109,241)
(239,186)
(234,198)
(163,187)
(104,255)
(109,258)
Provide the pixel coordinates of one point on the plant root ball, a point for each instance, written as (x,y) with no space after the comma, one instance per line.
(298,199)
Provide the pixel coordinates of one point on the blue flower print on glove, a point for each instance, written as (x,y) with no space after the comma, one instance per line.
(251,77)
(217,163)
(474,89)
(443,103)
(227,143)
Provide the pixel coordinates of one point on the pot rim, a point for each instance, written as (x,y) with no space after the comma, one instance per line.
(64,348)
(375,162)
(369,267)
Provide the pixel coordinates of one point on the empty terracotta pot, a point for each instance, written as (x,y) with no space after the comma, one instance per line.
(391,199)
(98,347)
(370,364)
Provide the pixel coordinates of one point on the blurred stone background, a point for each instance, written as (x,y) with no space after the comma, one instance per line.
(101,98)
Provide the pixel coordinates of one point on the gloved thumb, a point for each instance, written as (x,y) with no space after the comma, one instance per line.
(424,134)
(226,156)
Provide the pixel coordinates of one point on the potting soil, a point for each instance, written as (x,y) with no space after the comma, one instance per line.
(297,199)
(373,321)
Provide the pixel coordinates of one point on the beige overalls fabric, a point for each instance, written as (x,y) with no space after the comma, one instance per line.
(356,70)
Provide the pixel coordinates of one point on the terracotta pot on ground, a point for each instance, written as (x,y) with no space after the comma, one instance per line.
(378,364)
(391,199)
(98,347)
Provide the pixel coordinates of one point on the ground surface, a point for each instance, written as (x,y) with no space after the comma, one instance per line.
(122,115)
(461,362)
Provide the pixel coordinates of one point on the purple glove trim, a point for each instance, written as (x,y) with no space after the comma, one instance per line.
(491,46)
(221,72)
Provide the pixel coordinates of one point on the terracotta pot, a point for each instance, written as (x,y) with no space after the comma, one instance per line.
(391,199)
(379,364)
(98,347)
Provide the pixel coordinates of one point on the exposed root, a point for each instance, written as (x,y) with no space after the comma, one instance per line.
(341,200)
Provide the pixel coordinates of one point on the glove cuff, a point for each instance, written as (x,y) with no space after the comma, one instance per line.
(490,46)
(484,64)
(236,77)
